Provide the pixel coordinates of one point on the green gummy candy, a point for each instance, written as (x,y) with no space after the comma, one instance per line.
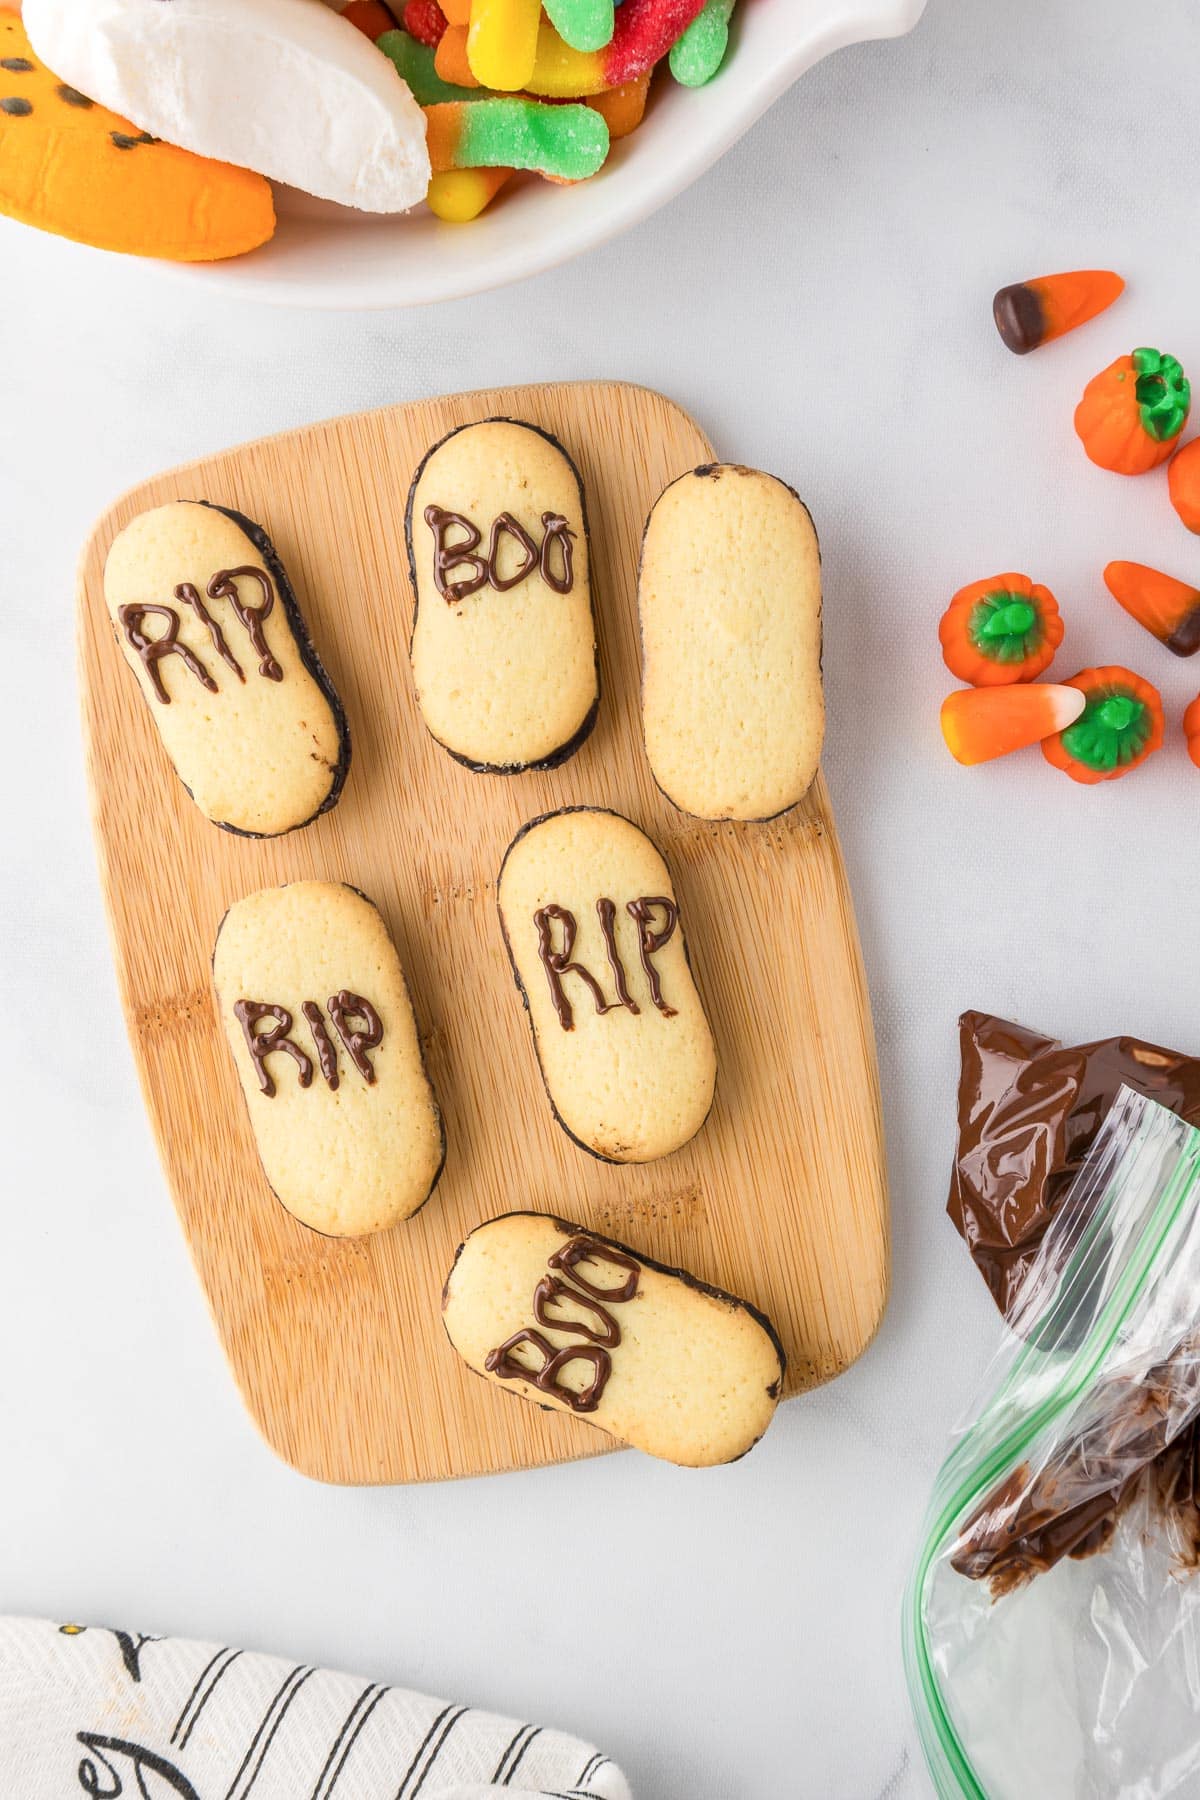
(414,64)
(570,141)
(583,24)
(698,52)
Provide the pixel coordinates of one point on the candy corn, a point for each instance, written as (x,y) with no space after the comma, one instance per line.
(502,41)
(1183,484)
(1034,312)
(1169,609)
(571,141)
(699,52)
(980,724)
(1120,725)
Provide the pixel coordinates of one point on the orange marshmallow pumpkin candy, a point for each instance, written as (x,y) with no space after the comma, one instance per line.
(73,168)
(1132,413)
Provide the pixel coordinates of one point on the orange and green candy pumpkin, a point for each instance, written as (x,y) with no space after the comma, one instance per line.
(980,724)
(1001,630)
(1169,609)
(1120,726)
(1031,313)
(1133,411)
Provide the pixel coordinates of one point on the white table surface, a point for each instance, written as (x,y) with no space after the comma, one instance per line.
(821,302)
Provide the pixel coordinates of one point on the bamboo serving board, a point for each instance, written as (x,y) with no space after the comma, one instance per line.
(337,1345)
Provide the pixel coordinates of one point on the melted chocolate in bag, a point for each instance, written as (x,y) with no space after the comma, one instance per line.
(1029,1111)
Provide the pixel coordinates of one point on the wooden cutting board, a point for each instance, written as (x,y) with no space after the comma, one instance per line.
(337,1345)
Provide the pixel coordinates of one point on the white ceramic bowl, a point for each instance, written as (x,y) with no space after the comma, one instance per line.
(324,256)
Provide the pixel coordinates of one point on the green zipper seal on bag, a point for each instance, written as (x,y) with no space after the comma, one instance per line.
(940,1742)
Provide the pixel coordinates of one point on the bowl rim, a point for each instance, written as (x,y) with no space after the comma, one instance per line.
(838,24)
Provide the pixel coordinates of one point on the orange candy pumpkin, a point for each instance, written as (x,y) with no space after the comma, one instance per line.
(1132,412)
(1120,726)
(1183,484)
(1191,730)
(1001,630)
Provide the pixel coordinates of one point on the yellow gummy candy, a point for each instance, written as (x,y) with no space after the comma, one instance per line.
(460,195)
(502,42)
(560,73)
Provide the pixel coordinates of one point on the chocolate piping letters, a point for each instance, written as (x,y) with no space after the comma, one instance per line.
(485,569)
(550,1289)
(502,1363)
(650,941)
(587,1249)
(608,912)
(557,963)
(557,532)
(224,586)
(260,1044)
(190,597)
(452,556)
(326,1054)
(345,1006)
(152,650)
(514,529)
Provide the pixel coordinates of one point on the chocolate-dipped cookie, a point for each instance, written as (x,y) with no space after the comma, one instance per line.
(209,624)
(504,640)
(593,931)
(574,1321)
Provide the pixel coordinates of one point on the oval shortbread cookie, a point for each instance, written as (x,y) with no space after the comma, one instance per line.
(729,594)
(504,640)
(208,622)
(318,1016)
(575,1321)
(596,942)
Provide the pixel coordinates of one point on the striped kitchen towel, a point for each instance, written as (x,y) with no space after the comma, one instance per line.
(114,1713)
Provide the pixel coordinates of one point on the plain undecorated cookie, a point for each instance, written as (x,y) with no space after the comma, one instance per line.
(208,622)
(592,926)
(504,640)
(729,594)
(681,1370)
(317,1012)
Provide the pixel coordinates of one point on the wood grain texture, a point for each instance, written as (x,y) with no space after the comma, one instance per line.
(338,1346)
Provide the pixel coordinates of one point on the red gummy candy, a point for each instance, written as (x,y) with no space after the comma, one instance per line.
(424,20)
(645,31)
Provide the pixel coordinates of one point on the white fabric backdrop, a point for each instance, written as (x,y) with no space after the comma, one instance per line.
(820,302)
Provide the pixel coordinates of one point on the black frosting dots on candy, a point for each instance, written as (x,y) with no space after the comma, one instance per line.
(73,97)
(16,65)
(16,106)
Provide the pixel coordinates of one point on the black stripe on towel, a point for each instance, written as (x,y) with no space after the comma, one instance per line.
(218,1675)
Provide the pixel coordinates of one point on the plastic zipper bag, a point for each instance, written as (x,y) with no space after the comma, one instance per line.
(1051,1623)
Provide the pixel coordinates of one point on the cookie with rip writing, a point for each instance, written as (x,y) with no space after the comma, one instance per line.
(209,623)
